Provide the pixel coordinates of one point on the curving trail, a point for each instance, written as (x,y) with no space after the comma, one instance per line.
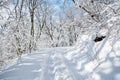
(44,65)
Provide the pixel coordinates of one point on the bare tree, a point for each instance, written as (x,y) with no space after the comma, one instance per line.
(32,6)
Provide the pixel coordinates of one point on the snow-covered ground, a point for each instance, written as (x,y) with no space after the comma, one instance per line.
(70,63)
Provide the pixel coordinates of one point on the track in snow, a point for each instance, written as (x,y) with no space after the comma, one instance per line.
(49,65)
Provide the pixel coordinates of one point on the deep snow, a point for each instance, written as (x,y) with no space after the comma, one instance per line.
(70,63)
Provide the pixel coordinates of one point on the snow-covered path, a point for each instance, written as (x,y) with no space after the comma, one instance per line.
(54,64)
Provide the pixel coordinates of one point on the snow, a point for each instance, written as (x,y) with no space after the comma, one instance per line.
(68,63)
(86,60)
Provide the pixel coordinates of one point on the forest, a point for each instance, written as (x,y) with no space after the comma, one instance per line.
(27,26)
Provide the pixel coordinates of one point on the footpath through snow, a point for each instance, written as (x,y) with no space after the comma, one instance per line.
(75,63)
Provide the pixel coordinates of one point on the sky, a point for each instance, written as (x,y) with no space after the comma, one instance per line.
(59,3)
